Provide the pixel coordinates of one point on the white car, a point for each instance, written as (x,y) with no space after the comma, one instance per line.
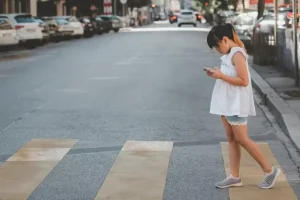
(28,30)
(8,35)
(78,29)
(187,17)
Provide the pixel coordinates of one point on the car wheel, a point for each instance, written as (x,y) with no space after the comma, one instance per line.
(179,25)
(100,32)
(195,25)
(116,30)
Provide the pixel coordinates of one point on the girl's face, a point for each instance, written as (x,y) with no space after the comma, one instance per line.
(223,46)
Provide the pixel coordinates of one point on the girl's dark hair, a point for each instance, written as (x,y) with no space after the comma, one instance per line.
(217,33)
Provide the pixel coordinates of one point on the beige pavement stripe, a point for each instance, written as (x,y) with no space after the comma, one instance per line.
(252,175)
(27,168)
(139,172)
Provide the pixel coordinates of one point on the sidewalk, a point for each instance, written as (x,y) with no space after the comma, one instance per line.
(281,96)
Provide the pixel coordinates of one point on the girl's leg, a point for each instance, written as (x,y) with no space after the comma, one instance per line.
(234,150)
(241,136)
(271,173)
(234,157)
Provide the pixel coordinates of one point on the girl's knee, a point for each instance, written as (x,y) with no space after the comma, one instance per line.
(230,138)
(242,140)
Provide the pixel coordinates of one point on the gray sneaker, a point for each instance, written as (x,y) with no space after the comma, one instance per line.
(270,180)
(230,182)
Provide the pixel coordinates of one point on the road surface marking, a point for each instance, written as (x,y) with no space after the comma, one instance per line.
(252,175)
(27,168)
(104,78)
(139,172)
(167,29)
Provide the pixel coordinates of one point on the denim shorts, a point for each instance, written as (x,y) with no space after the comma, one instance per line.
(236,120)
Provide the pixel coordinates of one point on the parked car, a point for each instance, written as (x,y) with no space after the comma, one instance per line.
(187,17)
(162,16)
(58,28)
(231,18)
(45,29)
(8,35)
(99,25)
(28,30)
(115,22)
(65,28)
(89,29)
(106,23)
(266,23)
(244,25)
(78,29)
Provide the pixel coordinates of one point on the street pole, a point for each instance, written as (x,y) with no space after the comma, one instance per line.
(295,27)
(115,7)
(276,19)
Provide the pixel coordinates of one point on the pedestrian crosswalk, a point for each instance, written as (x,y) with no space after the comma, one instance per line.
(140,171)
(164,29)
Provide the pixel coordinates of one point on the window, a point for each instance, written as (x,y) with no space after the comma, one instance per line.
(72,19)
(98,18)
(105,18)
(115,17)
(62,21)
(85,20)
(187,13)
(5,25)
(40,21)
(24,19)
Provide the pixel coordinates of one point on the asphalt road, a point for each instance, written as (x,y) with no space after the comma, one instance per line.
(117,87)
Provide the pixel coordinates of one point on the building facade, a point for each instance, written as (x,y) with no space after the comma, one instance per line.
(34,7)
(18,6)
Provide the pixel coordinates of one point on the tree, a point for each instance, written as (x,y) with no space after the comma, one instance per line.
(260,8)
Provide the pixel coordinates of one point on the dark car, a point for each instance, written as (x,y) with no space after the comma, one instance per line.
(89,29)
(117,23)
(104,23)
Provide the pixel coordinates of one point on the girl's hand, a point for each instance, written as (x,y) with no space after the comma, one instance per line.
(208,71)
(216,73)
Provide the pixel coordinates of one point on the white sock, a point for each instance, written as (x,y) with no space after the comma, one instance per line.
(270,172)
(236,178)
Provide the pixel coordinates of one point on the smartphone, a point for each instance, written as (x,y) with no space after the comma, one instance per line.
(207,69)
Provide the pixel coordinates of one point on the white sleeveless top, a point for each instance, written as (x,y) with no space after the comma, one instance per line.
(228,99)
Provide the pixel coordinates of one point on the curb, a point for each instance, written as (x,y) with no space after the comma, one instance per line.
(287,118)
(13,55)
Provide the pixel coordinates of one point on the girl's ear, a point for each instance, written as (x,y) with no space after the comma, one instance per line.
(225,39)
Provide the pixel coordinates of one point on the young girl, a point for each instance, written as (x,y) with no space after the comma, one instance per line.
(232,99)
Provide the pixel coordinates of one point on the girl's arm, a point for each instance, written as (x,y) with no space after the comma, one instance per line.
(240,65)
